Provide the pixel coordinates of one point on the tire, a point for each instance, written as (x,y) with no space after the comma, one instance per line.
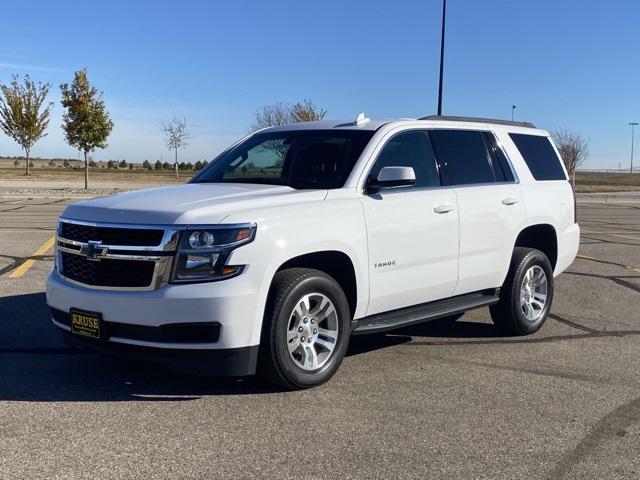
(298,321)
(511,313)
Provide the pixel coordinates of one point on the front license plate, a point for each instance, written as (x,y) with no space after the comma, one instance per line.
(85,323)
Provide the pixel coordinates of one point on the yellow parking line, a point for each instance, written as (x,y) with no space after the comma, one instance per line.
(26,265)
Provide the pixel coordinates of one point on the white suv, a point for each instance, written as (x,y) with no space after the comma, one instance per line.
(298,237)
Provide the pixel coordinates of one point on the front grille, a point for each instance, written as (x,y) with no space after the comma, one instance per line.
(107,272)
(111,235)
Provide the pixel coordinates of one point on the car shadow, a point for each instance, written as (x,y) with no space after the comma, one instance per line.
(450,328)
(36,365)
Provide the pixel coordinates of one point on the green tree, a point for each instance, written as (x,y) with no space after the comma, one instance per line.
(131,167)
(86,122)
(92,164)
(16,163)
(123,163)
(146,165)
(22,115)
(66,163)
(52,163)
(176,136)
(158,165)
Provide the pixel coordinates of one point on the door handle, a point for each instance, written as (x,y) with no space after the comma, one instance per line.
(443,208)
(510,201)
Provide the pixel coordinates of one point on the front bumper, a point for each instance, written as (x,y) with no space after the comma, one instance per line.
(149,323)
(233,303)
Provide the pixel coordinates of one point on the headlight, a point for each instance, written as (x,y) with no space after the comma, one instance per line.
(203,252)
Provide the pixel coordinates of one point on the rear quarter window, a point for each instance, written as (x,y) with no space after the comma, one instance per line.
(541,158)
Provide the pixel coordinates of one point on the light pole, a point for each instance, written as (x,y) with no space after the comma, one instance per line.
(633,127)
(513,107)
(444,14)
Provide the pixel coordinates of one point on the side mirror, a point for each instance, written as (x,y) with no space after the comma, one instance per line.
(390,177)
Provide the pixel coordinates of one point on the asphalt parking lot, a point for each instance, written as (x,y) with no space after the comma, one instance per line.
(446,399)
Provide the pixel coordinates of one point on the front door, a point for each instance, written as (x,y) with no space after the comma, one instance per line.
(412,231)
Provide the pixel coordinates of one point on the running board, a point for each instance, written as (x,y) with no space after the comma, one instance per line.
(383,322)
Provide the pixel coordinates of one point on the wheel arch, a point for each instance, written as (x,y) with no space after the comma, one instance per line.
(334,263)
(541,236)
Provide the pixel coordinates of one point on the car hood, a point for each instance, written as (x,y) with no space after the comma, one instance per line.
(194,203)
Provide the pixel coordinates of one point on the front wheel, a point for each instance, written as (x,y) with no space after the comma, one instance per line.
(527,293)
(306,329)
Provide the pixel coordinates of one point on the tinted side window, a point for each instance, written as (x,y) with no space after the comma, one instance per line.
(465,156)
(410,149)
(540,156)
(501,168)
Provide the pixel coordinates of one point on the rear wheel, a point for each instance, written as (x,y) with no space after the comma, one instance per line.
(527,293)
(306,329)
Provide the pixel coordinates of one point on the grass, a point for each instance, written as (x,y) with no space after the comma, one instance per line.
(607,182)
(125,175)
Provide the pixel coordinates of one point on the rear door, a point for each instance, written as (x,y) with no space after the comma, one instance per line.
(412,231)
(489,202)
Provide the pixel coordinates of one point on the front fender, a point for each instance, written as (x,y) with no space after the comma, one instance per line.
(285,233)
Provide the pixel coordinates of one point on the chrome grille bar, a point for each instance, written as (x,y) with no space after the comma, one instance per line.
(162,255)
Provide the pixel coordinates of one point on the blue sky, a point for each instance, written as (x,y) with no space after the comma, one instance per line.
(564,63)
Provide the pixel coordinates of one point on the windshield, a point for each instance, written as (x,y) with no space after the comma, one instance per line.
(303,159)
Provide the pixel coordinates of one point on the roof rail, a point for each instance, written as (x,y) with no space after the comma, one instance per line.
(478,120)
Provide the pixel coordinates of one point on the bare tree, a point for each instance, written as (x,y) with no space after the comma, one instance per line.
(573,148)
(272,115)
(284,113)
(176,136)
(21,114)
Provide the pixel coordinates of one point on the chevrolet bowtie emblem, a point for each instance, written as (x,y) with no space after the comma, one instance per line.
(94,250)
